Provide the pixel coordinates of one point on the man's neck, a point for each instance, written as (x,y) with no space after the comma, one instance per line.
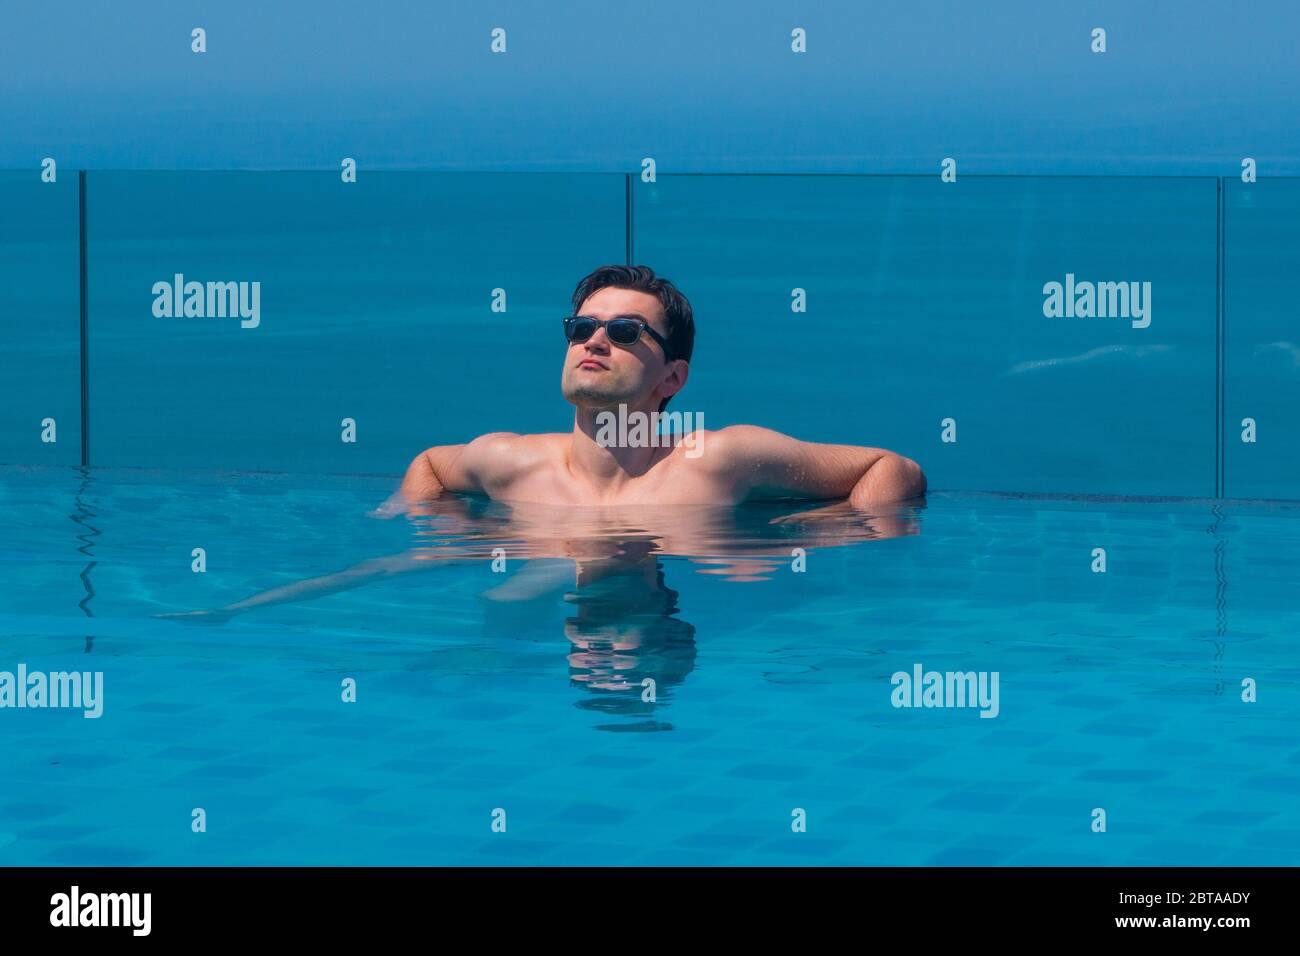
(609,466)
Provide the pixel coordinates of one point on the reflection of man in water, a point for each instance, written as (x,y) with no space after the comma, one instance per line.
(628,648)
(608,566)
(630,342)
(625,645)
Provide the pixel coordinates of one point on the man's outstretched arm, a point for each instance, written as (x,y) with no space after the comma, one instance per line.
(768,464)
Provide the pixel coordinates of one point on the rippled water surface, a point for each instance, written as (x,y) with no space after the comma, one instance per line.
(658,686)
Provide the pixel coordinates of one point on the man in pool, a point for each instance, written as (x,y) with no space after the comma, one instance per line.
(630,341)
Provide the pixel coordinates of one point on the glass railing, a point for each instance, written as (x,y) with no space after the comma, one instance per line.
(1067,335)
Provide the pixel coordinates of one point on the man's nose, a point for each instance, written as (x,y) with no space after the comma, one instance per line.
(599,340)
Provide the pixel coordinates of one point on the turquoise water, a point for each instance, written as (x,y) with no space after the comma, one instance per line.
(521,689)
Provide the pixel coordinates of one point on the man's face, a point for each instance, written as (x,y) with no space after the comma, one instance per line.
(601,375)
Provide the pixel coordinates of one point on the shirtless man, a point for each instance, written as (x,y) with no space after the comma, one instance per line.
(641,364)
(636,353)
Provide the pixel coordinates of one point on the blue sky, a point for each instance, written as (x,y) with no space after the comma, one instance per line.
(1006,87)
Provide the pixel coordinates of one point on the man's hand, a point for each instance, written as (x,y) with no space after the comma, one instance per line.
(216,615)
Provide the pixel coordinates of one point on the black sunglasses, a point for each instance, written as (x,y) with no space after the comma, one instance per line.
(623,330)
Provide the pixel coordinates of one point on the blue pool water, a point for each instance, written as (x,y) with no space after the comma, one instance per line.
(522,689)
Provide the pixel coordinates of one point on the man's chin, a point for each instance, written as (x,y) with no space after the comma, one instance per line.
(588,401)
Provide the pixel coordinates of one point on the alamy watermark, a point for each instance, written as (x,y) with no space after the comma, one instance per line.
(637,429)
(922,688)
(208,300)
(1101,300)
(74,690)
(75,908)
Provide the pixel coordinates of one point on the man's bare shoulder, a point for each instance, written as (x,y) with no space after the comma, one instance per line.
(742,435)
(735,445)
(500,455)
(512,443)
